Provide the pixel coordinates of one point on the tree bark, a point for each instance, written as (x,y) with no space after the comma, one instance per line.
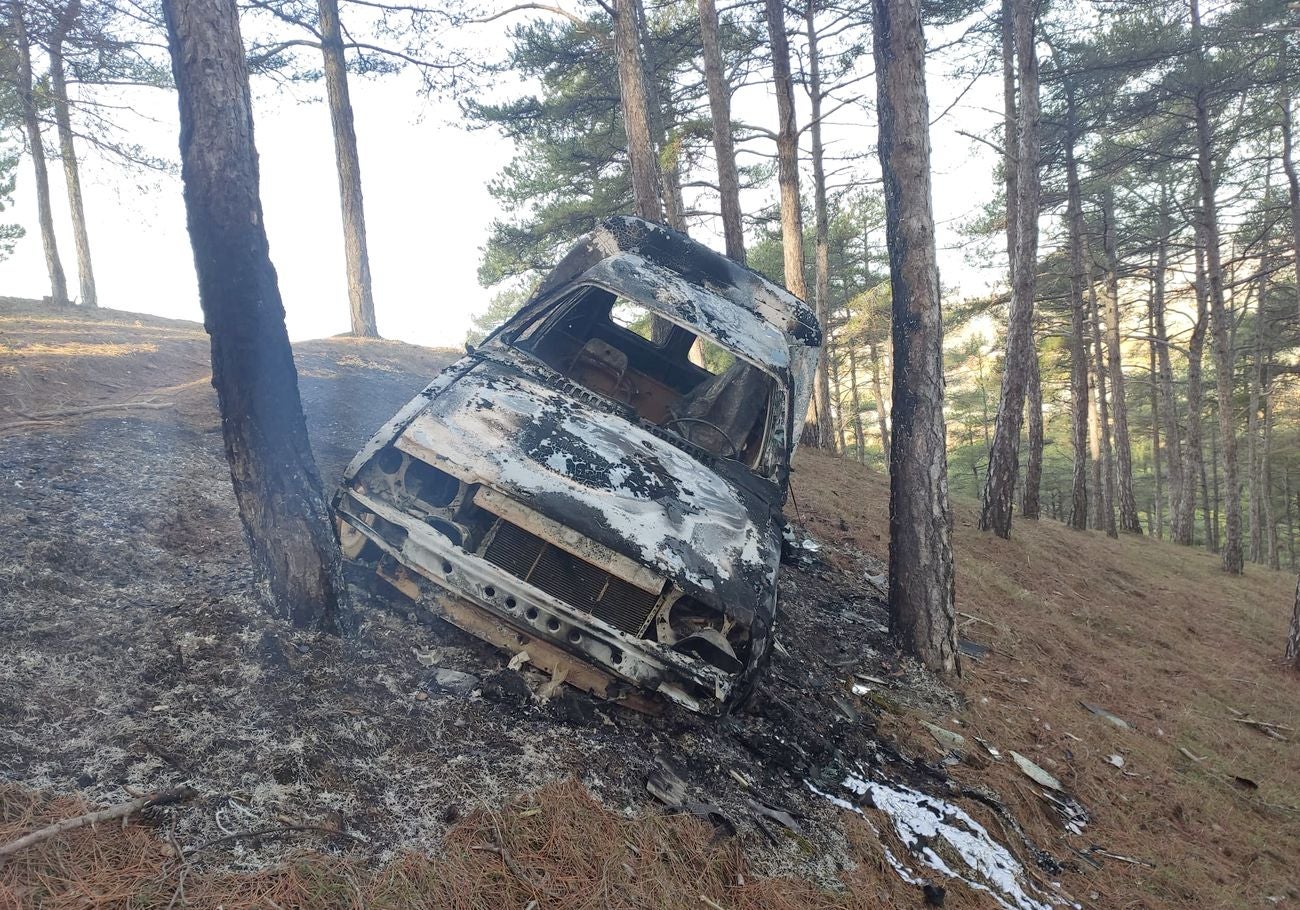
(1078,341)
(285,518)
(1126,500)
(1193,457)
(356,255)
(859,439)
(1004,456)
(1293,189)
(68,153)
(822,232)
(1107,513)
(642,162)
(787,153)
(1293,633)
(921,573)
(1254,469)
(724,146)
(1158,496)
(32,126)
(667,150)
(1032,507)
(1219,316)
(1164,379)
(878,393)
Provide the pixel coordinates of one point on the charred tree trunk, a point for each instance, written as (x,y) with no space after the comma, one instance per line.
(68,153)
(822,231)
(1004,457)
(1126,500)
(1079,399)
(1219,316)
(642,163)
(356,255)
(724,146)
(32,126)
(285,518)
(922,585)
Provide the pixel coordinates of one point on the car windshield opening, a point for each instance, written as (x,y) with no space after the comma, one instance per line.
(668,375)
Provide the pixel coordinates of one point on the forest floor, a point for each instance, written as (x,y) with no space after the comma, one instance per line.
(134,656)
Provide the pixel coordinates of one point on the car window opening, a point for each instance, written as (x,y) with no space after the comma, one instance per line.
(685,383)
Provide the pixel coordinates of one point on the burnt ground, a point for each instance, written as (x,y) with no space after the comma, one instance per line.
(134,652)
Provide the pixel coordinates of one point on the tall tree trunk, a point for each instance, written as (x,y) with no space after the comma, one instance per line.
(1097,501)
(356,255)
(724,146)
(1157,499)
(1266,477)
(277,487)
(878,393)
(1180,529)
(859,439)
(1004,457)
(32,125)
(822,230)
(1254,468)
(642,162)
(787,153)
(1126,500)
(1193,458)
(1080,406)
(667,148)
(1293,634)
(1293,188)
(1290,521)
(1214,476)
(922,588)
(1032,507)
(1107,513)
(1219,316)
(68,153)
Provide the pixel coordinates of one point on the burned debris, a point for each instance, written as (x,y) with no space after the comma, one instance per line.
(599,486)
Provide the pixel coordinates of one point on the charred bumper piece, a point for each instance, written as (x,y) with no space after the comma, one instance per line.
(600,484)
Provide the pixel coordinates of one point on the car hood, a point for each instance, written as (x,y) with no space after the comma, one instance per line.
(606,478)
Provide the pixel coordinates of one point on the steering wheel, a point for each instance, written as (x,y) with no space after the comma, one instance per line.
(735,450)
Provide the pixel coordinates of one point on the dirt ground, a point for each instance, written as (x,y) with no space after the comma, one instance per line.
(134,654)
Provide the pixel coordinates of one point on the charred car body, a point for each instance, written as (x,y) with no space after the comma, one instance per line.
(600,483)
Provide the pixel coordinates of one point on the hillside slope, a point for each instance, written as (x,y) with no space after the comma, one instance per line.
(132,651)
(1157,635)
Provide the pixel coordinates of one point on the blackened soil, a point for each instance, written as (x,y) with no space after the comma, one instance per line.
(135,652)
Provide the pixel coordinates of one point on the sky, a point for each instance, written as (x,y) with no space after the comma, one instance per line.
(428,210)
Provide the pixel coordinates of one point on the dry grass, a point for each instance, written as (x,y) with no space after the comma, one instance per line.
(557,847)
(1158,635)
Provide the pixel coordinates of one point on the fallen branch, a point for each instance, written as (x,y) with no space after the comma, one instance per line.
(123,811)
(278,831)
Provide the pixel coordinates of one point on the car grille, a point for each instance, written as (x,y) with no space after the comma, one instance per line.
(570,579)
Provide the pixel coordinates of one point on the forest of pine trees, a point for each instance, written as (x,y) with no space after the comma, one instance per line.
(1131,369)
(1156,382)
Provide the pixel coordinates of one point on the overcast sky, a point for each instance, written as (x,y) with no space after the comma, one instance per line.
(427,206)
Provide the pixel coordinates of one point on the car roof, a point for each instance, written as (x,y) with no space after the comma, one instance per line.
(625,243)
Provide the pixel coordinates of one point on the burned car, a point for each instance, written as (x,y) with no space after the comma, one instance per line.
(600,483)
